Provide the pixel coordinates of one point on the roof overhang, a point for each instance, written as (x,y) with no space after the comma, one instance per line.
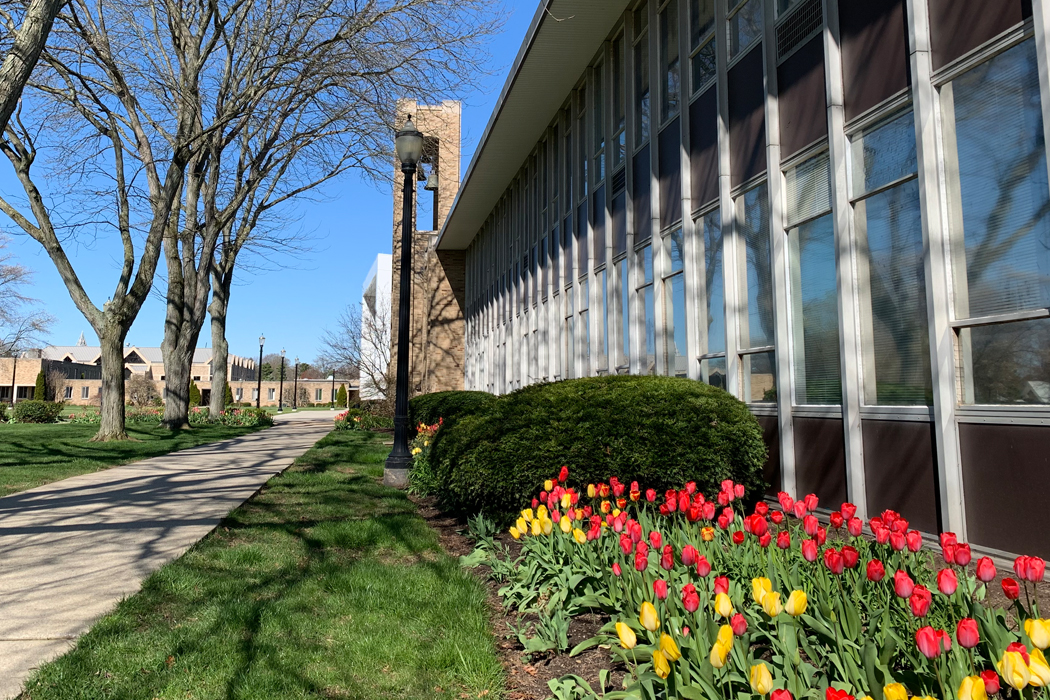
(563,38)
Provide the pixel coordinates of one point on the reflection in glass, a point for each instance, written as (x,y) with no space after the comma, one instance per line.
(999,196)
(713,371)
(760,381)
(883,155)
(670,87)
(641,87)
(745,27)
(625,305)
(603,311)
(1007,363)
(674,315)
(701,20)
(756,278)
(712,276)
(704,65)
(650,332)
(814,302)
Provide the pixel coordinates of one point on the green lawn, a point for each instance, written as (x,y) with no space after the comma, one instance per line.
(31,455)
(325,585)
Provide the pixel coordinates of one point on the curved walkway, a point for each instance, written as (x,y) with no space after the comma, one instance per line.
(70,550)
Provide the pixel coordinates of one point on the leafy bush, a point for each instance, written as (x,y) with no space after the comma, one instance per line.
(340,397)
(3,412)
(227,396)
(33,411)
(448,405)
(245,417)
(195,394)
(40,390)
(421,477)
(661,431)
(356,419)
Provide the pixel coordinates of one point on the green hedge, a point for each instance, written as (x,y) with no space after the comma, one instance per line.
(661,431)
(449,405)
(33,411)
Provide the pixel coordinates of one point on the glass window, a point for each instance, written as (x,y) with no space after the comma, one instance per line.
(641,75)
(270,394)
(584,158)
(713,327)
(745,27)
(814,301)
(1007,363)
(625,308)
(675,357)
(760,379)
(998,193)
(701,41)
(670,82)
(756,278)
(85,392)
(648,309)
(619,141)
(713,371)
(603,320)
(883,155)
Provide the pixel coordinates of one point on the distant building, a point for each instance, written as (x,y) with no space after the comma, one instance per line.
(375,328)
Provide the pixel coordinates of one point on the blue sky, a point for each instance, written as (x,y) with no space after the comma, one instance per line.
(350,223)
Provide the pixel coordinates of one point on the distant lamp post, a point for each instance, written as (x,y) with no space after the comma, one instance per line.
(280,392)
(332,377)
(295,386)
(409,147)
(258,373)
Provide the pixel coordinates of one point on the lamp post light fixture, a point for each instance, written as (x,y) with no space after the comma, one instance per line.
(280,392)
(409,147)
(258,373)
(295,386)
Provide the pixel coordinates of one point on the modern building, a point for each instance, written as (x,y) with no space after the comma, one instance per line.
(375,329)
(837,210)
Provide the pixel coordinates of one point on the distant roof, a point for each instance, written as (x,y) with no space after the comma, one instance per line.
(87,354)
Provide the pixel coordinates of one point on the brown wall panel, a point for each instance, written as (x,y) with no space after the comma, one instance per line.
(803,100)
(958,26)
(820,459)
(747,117)
(900,471)
(643,204)
(670,144)
(598,219)
(1006,484)
(619,223)
(771,470)
(703,146)
(874,52)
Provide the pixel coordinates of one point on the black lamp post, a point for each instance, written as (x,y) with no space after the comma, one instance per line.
(409,147)
(258,374)
(295,386)
(332,377)
(280,392)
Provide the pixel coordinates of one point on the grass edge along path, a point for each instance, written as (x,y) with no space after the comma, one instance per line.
(326,584)
(34,454)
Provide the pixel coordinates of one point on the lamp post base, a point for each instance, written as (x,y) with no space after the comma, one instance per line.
(395,471)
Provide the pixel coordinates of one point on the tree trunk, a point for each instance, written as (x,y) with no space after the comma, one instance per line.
(220,347)
(111,426)
(29,41)
(177,367)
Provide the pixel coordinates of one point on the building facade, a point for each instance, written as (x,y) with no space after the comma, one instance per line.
(838,211)
(376,320)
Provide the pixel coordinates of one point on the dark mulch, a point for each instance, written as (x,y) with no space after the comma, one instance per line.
(527,675)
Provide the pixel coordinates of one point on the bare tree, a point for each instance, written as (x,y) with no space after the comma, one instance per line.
(361,339)
(56,385)
(141,391)
(20,324)
(27,41)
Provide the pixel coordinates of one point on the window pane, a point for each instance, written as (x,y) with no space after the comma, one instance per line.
(757,276)
(814,303)
(704,66)
(760,381)
(649,366)
(619,103)
(884,155)
(999,195)
(646,254)
(603,322)
(670,86)
(745,27)
(641,91)
(701,20)
(598,111)
(894,330)
(808,189)
(712,274)
(1007,363)
(585,335)
(713,371)
(625,301)
(674,315)
(676,244)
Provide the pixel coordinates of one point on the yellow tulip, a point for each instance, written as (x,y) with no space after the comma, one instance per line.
(579,535)
(895,691)
(541,512)
(527,514)
(547,525)
(719,655)
(548,485)
(536,528)
(723,605)
(725,636)
(759,588)
(972,688)
(1039,669)
(796,603)
(628,639)
(669,648)
(771,604)
(515,532)
(660,665)
(1038,631)
(566,500)
(867,697)
(615,513)
(648,617)
(579,513)
(591,491)
(415,451)
(566,525)
(707,534)
(761,679)
(522,525)
(1014,670)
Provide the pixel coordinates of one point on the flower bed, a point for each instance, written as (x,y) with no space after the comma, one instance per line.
(356,419)
(707,601)
(238,417)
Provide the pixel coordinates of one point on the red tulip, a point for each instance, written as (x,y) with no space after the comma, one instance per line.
(810,524)
(759,526)
(764,540)
(920,601)
(799,509)
(947,581)
(721,584)
(850,556)
(836,520)
(811,501)
(703,567)
(723,499)
(914,540)
(563,475)
(985,569)
(738,490)
(966,633)
(876,571)
(1020,649)
(762,508)
(991,681)
(809,550)
(1030,568)
(948,552)
(663,509)
(535,503)
(723,522)
(655,539)
(855,526)
(626,544)
(963,555)
(691,601)
(683,501)
(948,538)
(616,569)
(898,541)
(822,536)
(834,561)
(650,495)
(835,694)
(899,525)
(618,489)
(667,558)
(777,517)
(640,562)
(739,624)
(694,513)
(690,487)
(780,694)
(641,549)
(689,555)
(783,539)
(929,642)
(660,589)
(1011,589)
(848,510)
(738,537)
(903,586)
(708,510)
(785,500)
(882,534)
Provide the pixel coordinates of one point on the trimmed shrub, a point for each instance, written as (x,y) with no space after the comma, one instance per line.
(356,419)
(33,411)
(449,405)
(661,431)
(340,396)
(195,394)
(245,417)
(40,390)
(227,398)
(3,412)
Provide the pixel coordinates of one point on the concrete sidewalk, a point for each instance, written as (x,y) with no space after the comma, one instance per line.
(70,550)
